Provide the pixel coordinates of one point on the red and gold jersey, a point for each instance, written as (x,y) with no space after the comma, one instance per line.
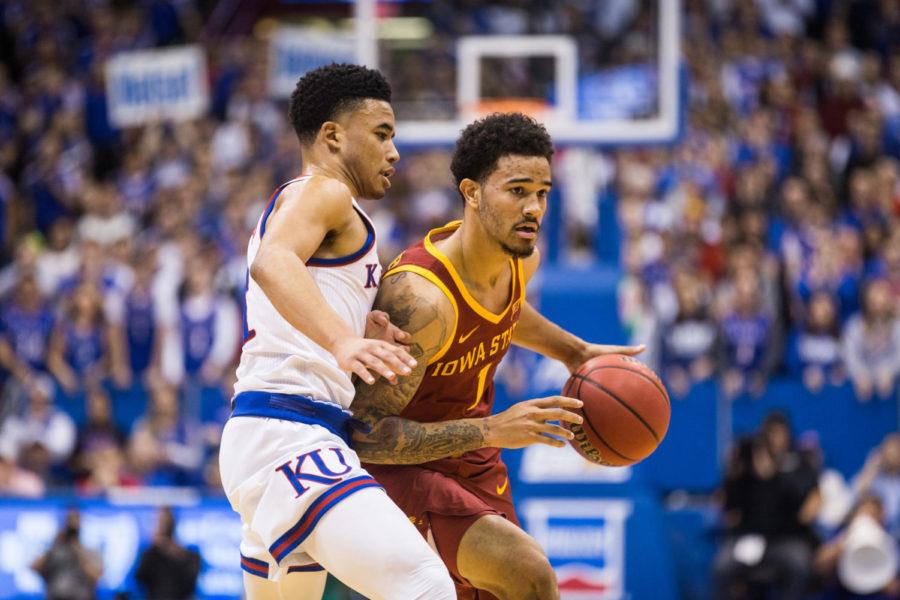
(459,380)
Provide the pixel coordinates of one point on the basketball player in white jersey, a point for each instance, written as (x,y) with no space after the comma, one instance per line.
(307,507)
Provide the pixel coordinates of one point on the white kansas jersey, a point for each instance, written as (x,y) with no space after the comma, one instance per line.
(280,359)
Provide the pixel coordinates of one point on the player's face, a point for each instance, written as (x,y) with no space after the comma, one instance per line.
(513,202)
(370,153)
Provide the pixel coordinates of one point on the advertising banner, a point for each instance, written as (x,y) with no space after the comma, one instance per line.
(153,85)
(119,535)
(585,542)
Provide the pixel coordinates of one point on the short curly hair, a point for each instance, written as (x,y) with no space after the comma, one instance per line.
(326,91)
(482,144)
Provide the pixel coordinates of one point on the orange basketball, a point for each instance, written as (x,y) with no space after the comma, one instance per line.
(626,410)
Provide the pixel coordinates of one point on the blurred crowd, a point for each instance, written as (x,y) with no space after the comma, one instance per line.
(773,222)
(123,277)
(768,240)
(793,526)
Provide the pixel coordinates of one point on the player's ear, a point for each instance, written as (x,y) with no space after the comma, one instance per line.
(471,192)
(332,134)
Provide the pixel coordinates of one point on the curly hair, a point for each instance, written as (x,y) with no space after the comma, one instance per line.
(326,91)
(483,143)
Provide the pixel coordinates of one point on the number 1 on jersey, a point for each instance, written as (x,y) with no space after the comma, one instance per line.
(482,379)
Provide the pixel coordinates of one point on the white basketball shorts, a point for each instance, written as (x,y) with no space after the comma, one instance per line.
(282,477)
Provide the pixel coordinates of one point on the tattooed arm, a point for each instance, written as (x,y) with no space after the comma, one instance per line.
(418,307)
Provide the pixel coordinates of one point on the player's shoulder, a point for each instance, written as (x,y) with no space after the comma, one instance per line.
(411,282)
(319,194)
(421,306)
(412,258)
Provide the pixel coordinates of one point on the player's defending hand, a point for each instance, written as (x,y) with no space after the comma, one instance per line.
(361,355)
(528,423)
(379,327)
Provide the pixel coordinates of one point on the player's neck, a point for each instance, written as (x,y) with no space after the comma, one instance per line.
(477,259)
(315,165)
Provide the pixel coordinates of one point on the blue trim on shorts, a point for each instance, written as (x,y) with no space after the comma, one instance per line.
(295,536)
(299,409)
(260,568)
(314,567)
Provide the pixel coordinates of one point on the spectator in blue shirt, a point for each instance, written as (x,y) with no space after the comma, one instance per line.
(887,264)
(835,267)
(748,338)
(26,323)
(209,325)
(138,319)
(689,344)
(165,446)
(814,348)
(862,209)
(82,350)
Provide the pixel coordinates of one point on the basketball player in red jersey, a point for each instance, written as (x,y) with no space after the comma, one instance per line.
(460,295)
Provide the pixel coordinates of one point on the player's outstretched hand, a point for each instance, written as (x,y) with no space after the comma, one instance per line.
(379,327)
(527,423)
(364,357)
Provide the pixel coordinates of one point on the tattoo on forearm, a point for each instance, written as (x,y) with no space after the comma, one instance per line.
(401,441)
(381,400)
(393,439)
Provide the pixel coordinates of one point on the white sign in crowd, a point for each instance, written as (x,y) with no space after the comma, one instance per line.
(172,83)
(152,85)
